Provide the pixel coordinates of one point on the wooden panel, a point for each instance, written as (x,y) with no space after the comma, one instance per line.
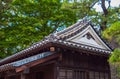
(84,61)
(99,75)
(74,60)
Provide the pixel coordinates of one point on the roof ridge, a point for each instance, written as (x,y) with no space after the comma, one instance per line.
(73,30)
(73,26)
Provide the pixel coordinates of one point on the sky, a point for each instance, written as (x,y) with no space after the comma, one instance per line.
(114,3)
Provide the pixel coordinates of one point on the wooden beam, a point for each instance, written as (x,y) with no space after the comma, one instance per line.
(21,68)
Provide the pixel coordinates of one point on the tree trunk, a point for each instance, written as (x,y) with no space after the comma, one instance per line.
(104,8)
(105,11)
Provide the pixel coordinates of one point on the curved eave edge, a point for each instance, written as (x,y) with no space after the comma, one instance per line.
(101,37)
(25,51)
(15,64)
(78,46)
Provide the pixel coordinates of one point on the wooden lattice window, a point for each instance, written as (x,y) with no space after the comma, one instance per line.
(102,75)
(91,75)
(65,74)
(69,74)
(98,75)
(78,74)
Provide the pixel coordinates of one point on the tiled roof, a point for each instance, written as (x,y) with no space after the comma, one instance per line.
(56,38)
(77,27)
(19,63)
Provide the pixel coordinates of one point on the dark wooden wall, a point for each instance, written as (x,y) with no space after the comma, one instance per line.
(85,61)
(83,66)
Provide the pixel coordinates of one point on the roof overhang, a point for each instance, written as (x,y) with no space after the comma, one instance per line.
(21,65)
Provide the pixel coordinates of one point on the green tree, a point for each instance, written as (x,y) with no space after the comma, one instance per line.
(29,21)
(24,22)
(113,33)
(84,8)
(4,7)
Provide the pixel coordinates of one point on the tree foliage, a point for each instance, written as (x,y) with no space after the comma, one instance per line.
(28,21)
(113,33)
(115,58)
(4,7)
(84,8)
(24,22)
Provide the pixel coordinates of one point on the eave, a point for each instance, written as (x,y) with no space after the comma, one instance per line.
(19,68)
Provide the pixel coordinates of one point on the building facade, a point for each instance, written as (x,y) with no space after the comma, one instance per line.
(77,52)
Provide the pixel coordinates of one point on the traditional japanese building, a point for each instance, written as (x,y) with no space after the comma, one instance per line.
(77,52)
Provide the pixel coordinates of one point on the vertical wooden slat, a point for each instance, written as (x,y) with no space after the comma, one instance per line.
(23,76)
(56,72)
(74,75)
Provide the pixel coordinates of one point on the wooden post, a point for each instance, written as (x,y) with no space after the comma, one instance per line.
(23,76)
(24,73)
